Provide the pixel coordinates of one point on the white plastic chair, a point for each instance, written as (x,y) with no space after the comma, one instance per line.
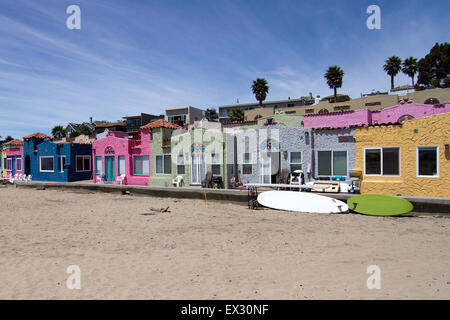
(177,181)
(121,178)
(28,178)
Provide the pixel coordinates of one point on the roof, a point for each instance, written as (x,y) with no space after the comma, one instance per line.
(37,135)
(240,105)
(161,123)
(401,88)
(15,142)
(111,124)
(332,96)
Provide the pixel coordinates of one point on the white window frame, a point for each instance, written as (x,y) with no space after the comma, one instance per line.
(332,165)
(83,157)
(61,163)
(250,161)
(219,155)
(98,172)
(8,168)
(381,162)
(40,163)
(119,168)
(19,161)
(301,159)
(163,163)
(180,156)
(437,162)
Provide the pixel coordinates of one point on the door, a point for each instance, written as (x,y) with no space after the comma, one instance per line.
(266,167)
(13,165)
(198,168)
(27,165)
(109,169)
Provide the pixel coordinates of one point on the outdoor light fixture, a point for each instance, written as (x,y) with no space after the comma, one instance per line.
(447,146)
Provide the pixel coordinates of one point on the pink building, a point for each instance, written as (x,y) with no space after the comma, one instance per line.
(13,161)
(396,114)
(407,111)
(121,153)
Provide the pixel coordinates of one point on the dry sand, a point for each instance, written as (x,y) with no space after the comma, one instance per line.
(219,251)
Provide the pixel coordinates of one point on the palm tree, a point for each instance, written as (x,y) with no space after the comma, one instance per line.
(237,114)
(58,132)
(260,89)
(392,67)
(410,68)
(334,77)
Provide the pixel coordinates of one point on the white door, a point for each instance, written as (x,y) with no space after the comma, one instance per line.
(266,164)
(198,168)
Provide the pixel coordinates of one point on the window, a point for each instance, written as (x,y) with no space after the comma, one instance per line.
(427,161)
(9,164)
(141,165)
(215,163)
(432,101)
(332,163)
(83,163)
(163,164)
(46,164)
(247,166)
(62,163)
(295,161)
(321,111)
(121,165)
(98,165)
(382,161)
(180,164)
(19,163)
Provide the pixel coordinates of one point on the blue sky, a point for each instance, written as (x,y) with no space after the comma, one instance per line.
(135,56)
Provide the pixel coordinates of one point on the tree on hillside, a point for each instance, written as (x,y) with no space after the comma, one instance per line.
(334,76)
(211,114)
(58,132)
(237,114)
(84,129)
(392,66)
(7,139)
(410,68)
(260,89)
(434,68)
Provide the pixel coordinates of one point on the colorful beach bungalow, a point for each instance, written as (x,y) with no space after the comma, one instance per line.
(127,156)
(162,172)
(12,156)
(46,160)
(408,159)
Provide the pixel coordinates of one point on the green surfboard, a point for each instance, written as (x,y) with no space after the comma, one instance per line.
(379,205)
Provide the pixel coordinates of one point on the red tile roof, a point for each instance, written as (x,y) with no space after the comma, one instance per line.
(161,123)
(15,142)
(37,135)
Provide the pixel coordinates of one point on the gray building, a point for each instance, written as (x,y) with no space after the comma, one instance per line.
(225,111)
(184,116)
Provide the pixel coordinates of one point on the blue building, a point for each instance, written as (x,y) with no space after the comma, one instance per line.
(49,161)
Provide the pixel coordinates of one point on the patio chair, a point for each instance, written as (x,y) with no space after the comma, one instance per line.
(28,179)
(177,181)
(121,178)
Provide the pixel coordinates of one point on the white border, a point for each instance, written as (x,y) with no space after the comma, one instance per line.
(40,163)
(61,164)
(332,165)
(437,162)
(381,162)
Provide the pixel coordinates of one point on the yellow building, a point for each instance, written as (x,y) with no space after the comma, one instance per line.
(412,159)
(2,166)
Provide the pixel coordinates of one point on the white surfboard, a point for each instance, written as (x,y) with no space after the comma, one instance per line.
(301,202)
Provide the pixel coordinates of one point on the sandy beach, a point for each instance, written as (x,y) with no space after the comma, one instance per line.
(220,251)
